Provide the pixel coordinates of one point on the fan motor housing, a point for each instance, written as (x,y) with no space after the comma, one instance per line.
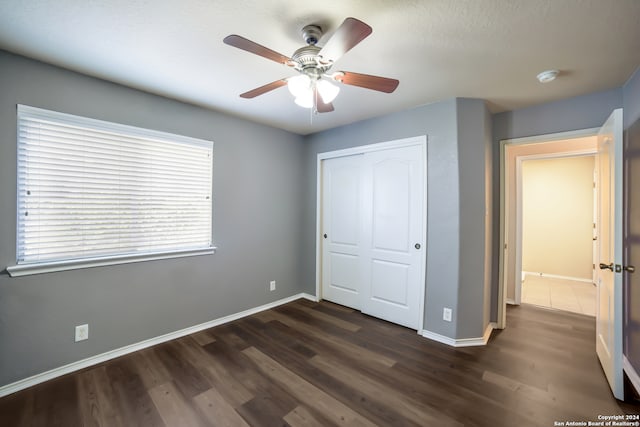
(309,61)
(306,56)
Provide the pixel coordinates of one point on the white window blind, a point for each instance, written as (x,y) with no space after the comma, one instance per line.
(89,189)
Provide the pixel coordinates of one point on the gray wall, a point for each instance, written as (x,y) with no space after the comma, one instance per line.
(257,226)
(631,99)
(439,122)
(474,151)
(581,112)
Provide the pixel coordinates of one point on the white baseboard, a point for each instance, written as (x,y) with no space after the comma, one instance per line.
(439,338)
(488,330)
(555,276)
(633,376)
(94,360)
(462,342)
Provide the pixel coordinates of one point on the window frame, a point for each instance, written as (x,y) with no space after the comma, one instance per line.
(37,267)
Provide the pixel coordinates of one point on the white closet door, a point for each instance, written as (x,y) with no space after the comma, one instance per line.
(341,227)
(393,241)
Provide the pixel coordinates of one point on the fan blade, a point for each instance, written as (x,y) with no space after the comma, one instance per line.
(264,89)
(321,107)
(366,81)
(349,34)
(253,47)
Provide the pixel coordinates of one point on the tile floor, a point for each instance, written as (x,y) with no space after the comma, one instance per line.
(561,294)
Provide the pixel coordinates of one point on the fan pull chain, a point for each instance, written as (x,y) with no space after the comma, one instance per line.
(314,109)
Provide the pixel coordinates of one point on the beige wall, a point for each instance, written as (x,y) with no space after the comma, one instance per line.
(512,152)
(557,216)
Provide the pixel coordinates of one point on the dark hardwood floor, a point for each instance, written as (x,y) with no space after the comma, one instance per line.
(320,364)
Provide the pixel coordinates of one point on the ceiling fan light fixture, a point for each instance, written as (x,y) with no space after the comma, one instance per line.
(305,100)
(299,86)
(327,91)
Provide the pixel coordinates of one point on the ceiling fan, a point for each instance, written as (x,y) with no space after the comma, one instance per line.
(313,87)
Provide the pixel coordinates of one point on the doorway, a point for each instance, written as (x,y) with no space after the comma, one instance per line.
(575,143)
(609,161)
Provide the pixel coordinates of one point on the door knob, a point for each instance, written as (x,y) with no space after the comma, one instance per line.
(606,266)
(417,245)
(629,268)
(325,235)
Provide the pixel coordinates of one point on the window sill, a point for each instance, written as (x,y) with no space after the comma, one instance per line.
(50,267)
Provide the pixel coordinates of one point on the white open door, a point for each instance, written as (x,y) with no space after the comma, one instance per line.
(341,221)
(610,216)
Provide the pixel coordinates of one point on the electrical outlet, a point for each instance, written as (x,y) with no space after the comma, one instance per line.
(272,285)
(82,332)
(446,314)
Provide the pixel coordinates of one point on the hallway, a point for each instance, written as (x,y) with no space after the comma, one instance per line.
(561,294)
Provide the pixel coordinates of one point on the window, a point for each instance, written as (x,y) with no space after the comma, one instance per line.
(96,193)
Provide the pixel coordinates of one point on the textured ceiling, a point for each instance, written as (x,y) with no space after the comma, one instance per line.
(438,49)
